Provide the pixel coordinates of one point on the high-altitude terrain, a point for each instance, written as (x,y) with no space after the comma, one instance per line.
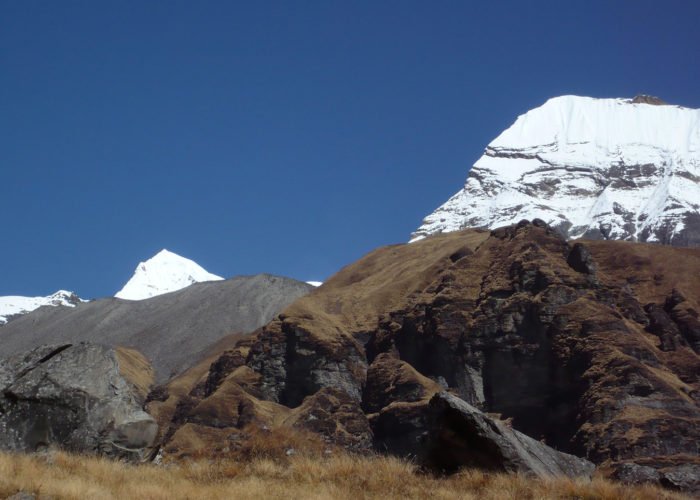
(13,306)
(172,330)
(619,169)
(591,347)
(164,272)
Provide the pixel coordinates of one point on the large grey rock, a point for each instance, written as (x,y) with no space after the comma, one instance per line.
(684,477)
(631,473)
(461,435)
(72,397)
(173,330)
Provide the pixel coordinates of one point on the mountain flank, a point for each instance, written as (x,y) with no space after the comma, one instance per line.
(172,330)
(612,169)
(590,348)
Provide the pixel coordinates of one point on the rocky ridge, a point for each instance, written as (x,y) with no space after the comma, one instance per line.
(603,335)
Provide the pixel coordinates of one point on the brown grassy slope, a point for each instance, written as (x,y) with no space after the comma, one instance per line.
(652,271)
(383,280)
(136,369)
(64,476)
(163,407)
(567,355)
(348,302)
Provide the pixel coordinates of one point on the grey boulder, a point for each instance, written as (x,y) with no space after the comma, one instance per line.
(460,435)
(75,398)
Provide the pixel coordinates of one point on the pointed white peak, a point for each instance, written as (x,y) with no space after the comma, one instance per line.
(13,305)
(164,272)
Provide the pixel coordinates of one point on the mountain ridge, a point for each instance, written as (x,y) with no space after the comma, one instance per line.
(13,306)
(172,330)
(591,346)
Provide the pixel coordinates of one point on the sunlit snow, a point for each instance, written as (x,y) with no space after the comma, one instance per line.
(584,164)
(12,304)
(164,272)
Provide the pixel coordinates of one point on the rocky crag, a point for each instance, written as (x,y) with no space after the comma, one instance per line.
(436,349)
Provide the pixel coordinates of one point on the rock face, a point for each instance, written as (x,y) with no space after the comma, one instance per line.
(619,169)
(173,330)
(73,397)
(589,348)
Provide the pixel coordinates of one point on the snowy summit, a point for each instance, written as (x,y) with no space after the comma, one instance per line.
(626,169)
(14,305)
(164,272)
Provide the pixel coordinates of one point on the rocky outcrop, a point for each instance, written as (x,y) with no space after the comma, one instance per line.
(336,416)
(684,477)
(72,397)
(586,348)
(460,435)
(648,99)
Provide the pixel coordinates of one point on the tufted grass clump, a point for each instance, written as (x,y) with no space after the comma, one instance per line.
(339,475)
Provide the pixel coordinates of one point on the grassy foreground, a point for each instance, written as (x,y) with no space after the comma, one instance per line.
(60,475)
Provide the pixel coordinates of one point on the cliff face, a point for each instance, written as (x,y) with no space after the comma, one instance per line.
(591,347)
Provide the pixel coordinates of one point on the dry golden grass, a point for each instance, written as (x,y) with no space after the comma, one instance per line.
(352,299)
(342,476)
(135,368)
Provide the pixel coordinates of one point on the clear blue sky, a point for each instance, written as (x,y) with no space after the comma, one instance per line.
(284,137)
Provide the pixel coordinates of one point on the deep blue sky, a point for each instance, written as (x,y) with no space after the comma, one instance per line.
(282,137)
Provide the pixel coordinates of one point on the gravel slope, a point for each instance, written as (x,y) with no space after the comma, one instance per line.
(173,330)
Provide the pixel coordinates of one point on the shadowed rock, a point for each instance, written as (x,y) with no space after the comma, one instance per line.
(581,260)
(648,99)
(459,435)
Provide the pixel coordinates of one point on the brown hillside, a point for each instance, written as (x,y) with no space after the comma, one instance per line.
(591,347)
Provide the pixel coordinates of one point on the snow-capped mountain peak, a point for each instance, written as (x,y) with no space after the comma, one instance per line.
(596,168)
(164,272)
(13,305)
